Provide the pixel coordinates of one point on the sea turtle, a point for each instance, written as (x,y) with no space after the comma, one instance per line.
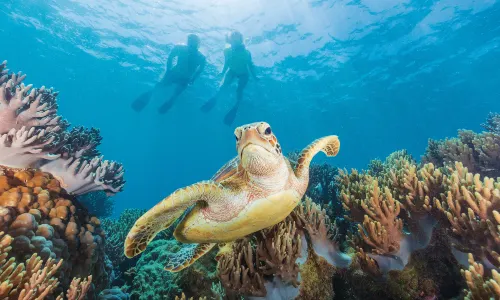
(253,191)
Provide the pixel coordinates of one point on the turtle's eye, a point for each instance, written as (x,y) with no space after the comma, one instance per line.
(268,131)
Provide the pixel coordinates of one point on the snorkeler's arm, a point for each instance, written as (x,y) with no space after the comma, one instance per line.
(201,66)
(174,53)
(226,61)
(251,66)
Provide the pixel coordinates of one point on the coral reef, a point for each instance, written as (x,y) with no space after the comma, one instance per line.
(294,258)
(32,135)
(116,231)
(478,152)
(34,279)
(113,294)
(471,206)
(479,287)
(410,225)
(149,280)
(97,203)
(42,219)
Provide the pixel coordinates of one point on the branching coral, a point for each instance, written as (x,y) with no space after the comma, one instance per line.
(382,230)
(478,152)
(278,251)
(353,188)
(32,135)
(471,206)
(43,220)
(238,271)
(492,123)
(401,195)
(321,232)
(480,288)
(34,279)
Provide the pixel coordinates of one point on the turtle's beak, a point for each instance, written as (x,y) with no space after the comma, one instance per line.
(252,137)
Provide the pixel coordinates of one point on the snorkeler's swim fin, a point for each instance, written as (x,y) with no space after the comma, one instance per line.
(231,115)
(166,107)
(209,105)
(141,101)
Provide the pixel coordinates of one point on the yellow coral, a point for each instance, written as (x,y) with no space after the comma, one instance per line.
(479,287)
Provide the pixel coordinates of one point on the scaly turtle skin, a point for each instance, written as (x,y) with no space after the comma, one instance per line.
(255,190)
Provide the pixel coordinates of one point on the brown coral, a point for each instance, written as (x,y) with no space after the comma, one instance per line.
(382,230)
(238,271)
(42,219)
(471,206)
(278,250)
(34,279)
(480,288)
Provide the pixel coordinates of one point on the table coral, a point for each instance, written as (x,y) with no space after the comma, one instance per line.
(42,219)
(32,135)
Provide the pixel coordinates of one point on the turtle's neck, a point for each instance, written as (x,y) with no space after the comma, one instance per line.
(274,181)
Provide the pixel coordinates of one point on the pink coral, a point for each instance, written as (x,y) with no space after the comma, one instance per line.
(32,135)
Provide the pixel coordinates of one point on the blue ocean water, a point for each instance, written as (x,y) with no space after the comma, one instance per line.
(383,75)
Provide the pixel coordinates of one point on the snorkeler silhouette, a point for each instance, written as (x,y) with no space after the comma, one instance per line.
(189,64)
(237,64)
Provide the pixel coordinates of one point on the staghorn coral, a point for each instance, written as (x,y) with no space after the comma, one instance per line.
(42,219)
(492,123)
(382,230)
(478,152)
(278,252)
(32,135)
(34,279)
(480,288)
(321,231)
(238,271)
(353,187)
(78,289)
(471,206)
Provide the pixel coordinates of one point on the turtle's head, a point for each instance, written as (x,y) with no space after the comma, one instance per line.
(258,148)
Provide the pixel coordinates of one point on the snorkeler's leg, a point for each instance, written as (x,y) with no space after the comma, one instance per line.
(142,101)
(231,115)
(226,82)
(167,105)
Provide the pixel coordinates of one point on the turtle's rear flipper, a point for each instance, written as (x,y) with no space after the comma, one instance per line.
(188,254)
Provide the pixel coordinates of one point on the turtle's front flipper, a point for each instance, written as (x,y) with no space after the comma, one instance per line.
(330,145)
(163,214)
(188,254)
